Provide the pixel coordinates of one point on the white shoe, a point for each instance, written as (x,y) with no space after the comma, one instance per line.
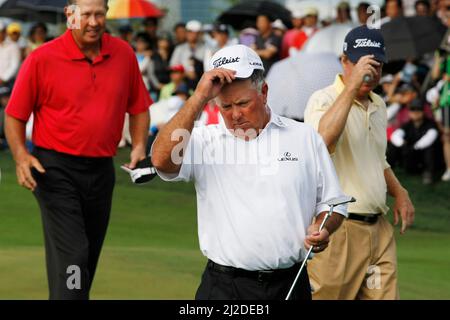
(446,175)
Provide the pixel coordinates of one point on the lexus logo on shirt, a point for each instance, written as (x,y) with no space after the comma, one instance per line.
(287,156)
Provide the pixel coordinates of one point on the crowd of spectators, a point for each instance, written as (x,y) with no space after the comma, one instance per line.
(172,62)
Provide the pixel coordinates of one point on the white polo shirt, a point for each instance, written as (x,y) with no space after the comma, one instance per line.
(256,199)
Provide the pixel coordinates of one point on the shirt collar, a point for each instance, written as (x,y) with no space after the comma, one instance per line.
(75,53)
(339,86)
(276,119)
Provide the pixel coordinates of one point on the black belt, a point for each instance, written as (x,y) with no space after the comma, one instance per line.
(263,275)
(79,159)
(369,218)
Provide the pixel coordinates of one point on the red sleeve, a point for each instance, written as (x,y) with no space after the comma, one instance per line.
(285,46)
(139,99)
(24,96)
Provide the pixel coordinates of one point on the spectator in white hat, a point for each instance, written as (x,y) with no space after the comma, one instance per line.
(191,53)
(291,34)
(310,20)
(279,28)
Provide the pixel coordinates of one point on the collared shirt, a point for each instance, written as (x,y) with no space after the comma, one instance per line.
(255,199)
(9,60)
(79,106)
(184,52)
(359,156)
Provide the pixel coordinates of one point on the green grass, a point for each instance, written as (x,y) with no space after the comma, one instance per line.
(151,250)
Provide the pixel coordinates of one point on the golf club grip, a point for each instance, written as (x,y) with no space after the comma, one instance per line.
(367,78)
(307,255)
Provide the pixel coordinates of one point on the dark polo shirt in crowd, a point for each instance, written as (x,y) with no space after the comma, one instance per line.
(79,106)
(263,43)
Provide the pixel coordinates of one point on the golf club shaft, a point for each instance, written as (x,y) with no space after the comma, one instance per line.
(307,255)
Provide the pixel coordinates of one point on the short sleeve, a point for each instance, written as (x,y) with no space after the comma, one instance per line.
(24,97)
(276,42)
(316,107)
(139,99)
(191,162)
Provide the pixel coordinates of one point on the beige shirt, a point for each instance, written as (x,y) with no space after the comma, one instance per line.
(360,153)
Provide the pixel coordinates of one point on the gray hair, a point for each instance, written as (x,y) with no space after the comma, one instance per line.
(257,78)
(71,2)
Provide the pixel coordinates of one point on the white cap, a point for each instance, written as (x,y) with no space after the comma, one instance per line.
(311,11)
(239,58)
(387,79)
(2,26)
(278,24)
(194,26)
(297,13)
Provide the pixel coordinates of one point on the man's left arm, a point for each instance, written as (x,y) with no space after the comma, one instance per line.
(139,126)
(328,188)
(403,206)
(320,240)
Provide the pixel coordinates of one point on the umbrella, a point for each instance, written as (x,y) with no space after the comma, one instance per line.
(128,9)
(43,5)
(51,11)
(411,37)
(244,14)
(293,80)
(325,8)
(328,39)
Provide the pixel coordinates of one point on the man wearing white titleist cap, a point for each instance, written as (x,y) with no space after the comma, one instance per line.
(262,183)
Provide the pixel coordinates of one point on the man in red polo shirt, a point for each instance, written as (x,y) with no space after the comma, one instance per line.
(78,87)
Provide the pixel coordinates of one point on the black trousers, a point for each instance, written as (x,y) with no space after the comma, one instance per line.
(217,285)
(75,197)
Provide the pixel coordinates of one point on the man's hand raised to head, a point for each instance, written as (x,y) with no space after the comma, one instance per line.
(208,88)
(212,82)
(366,66)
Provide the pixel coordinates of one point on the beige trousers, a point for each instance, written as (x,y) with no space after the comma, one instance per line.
(359,263)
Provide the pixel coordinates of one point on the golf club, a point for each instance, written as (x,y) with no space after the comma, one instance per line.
(367,78)
(332,203)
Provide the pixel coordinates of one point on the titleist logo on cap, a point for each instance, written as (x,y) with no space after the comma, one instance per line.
(364,43)
(224,60)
